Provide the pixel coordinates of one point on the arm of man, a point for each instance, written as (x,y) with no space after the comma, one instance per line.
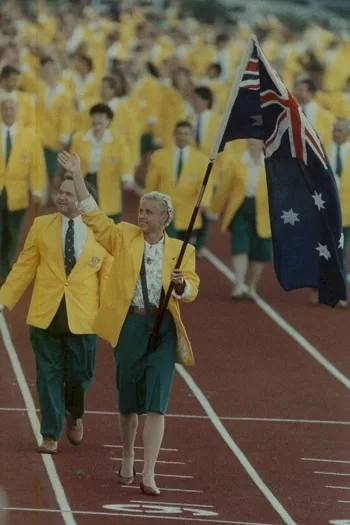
(37,169)
(152,175)
(106,232)
(23,272)
(185,278)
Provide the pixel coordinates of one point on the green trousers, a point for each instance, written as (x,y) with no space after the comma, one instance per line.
(10,229)
(65,367)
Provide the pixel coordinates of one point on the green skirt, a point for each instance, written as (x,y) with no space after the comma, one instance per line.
(51,161)
(244,237)
(144,380)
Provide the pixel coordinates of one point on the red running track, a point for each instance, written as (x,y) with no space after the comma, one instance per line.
(258,433)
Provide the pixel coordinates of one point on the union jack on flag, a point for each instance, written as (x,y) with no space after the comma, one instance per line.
(305,215)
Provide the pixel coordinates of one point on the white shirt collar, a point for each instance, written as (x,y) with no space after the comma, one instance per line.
(159,243)
(107,136)
(12,128)
(75,219)
(247,159)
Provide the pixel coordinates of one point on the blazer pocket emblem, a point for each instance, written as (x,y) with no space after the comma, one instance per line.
(112,160)
(94,263)
(24,158)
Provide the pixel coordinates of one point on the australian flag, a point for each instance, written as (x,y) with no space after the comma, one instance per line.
(304,205)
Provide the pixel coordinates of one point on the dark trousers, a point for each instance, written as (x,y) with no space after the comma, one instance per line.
(65,367)
(10,229)
(178,234)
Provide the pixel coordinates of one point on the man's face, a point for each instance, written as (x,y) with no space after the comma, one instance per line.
(199,104)
(302,93)
(8,109)
(255,146)
(341,131)
(151,216)
(183,136)
(50,72)
(106,91)
(11,83)
(66,200)
(99,122)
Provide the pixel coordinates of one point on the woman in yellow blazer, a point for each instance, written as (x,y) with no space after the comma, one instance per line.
(243,189)
(144,263)
(9,82)
(105,160)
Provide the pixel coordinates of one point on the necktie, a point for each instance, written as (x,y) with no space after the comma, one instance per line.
(338,162)
(179,165)
(69,253)
(198,131)
(8,146)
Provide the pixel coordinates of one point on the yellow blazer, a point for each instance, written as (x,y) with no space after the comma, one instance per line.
(124,122)
(25,169)
(323,124)
(54,119)
(184,194)
(42,259)
(145,99)
(115,162)
(125,241)
(231,193)
(344,190)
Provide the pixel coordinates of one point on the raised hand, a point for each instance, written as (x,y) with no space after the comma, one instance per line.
(70,162)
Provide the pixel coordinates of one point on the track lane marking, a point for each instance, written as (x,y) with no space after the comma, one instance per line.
(64,507)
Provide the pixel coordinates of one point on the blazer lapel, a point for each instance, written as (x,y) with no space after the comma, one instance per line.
(2,156)
(55,244)
(137,249)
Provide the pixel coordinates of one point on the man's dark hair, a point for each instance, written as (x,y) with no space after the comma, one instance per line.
(88,61)
(206,94)
(101,109)
(91,189)
(217,67)
(183,124)
(117,82)
(46,60)
(7,71)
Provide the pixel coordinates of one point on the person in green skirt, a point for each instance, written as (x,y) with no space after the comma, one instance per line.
(70,271)
(242,191)
(143,268)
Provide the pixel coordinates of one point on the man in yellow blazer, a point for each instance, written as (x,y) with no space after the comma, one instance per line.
(105,160)
(22,167)
(320,119)
(143,268)
(9,82)
(179,171)
(70,269)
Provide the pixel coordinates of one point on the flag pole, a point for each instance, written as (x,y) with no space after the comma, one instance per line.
(154,337)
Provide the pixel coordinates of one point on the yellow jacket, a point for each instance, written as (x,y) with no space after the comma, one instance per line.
(161,177)
(115,163)
(322,121)
(125,122)
(42,259)
(344,189)
(25,169)
(231,193)
(125,241)
(54,118)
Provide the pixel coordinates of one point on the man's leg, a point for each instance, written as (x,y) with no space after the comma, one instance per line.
(14,222)
(49,357)
(79,373)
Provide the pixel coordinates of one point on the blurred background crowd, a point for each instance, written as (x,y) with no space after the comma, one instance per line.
(138,90)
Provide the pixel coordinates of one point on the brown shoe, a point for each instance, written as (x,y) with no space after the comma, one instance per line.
(48,446)
(74,430)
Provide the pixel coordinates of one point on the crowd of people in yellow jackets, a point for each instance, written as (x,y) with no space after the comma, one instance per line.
(144,96)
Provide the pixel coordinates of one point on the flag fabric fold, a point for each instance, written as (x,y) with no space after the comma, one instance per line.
(304,204)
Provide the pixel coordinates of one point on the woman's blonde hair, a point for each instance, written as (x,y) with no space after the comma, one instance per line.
(165,199)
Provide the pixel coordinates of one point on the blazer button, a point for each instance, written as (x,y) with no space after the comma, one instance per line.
(66,284)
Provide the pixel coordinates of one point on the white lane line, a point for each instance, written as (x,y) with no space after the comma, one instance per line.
(164,462)
(325,460)
(165,489)
(126,515)
(141,448)
(282,323)
(334,487)
(242,458)
(173,504)
(56,484)
(332,473)
(223,418)
(168,476)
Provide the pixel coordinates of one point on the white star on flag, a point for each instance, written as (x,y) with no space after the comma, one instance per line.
(323,251)
(341,241)
(318,200)
(290,217)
